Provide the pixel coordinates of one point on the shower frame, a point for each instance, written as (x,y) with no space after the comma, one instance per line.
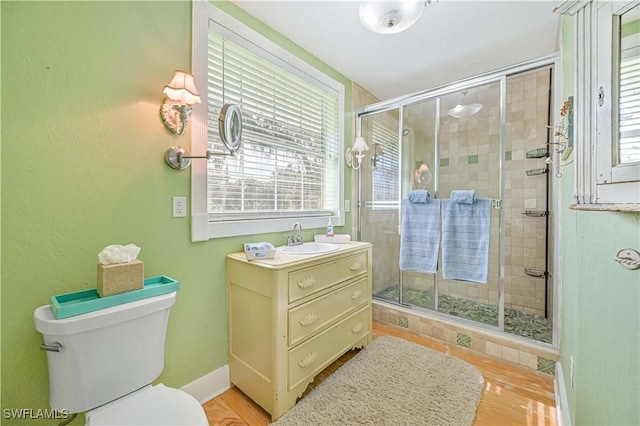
(399,104)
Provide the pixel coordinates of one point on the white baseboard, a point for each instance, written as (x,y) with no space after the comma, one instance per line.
(210,385)
(562,403)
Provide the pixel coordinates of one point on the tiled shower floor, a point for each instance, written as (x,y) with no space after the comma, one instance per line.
(515,322)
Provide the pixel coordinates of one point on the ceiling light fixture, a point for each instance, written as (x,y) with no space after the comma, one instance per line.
(464,111)
(391,17)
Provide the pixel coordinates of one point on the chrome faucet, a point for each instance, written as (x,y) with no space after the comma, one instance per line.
(295,239)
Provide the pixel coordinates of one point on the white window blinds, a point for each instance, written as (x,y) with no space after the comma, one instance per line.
(287,165)
(385,173)
(629,109)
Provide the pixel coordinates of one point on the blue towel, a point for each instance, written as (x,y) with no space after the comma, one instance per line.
(419,196)
(420,236)
(465,240)
(463,197)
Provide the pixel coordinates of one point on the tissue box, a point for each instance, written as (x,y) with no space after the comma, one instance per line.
(256,251)
(120,277)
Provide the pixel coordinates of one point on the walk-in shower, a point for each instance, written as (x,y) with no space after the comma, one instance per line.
(490,134)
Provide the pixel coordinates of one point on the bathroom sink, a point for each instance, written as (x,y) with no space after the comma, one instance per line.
(309,248)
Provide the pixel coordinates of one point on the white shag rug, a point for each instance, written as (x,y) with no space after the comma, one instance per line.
(393,382)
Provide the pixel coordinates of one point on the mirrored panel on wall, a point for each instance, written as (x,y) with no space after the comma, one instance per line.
(628,107)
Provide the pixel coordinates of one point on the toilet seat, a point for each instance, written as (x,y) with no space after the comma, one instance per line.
(151,405)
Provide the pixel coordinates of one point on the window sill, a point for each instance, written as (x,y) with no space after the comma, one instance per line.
(624,208)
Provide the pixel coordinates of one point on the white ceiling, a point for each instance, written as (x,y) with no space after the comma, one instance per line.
(453,40)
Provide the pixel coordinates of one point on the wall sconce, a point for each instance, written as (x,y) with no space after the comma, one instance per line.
(230,129)
(359,146)
(181,94)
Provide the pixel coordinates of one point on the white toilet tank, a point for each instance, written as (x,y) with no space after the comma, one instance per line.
(105,354)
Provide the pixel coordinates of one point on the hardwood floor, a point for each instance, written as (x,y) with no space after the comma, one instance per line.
(511,396)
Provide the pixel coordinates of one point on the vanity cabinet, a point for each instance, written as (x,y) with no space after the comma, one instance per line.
(292,316)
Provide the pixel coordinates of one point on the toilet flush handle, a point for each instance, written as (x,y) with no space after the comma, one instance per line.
(51,347)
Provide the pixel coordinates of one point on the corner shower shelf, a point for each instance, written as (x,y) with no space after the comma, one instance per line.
(535,213)
(537,172)
(538,153)
(537,273)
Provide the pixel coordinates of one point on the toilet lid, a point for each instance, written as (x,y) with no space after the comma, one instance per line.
(151,405)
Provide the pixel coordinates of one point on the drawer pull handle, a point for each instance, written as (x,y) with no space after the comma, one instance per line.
(356,294)
(357,328)
(306,283)
(355,266)
(308,359)
(308,319)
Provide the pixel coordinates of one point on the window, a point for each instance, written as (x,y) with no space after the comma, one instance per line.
(384,175)
(607,104)
(618,107)
(287,169)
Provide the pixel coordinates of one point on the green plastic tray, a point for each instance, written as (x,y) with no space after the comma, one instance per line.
(83,301)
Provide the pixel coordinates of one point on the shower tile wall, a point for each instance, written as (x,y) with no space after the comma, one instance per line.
(526,132)
(469,158)
(454,334)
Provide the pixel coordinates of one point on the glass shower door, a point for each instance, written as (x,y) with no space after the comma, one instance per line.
(419,168)
(470,152)
(490,135)
(378,181)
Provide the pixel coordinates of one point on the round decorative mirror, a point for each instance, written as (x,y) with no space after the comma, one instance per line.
(230,126)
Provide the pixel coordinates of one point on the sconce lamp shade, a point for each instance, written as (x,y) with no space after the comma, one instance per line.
(181,94)
(182,88)
(390,17)
(356,151)
(359,145)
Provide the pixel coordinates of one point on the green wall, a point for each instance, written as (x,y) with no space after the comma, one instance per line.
(82,168)
(600,320)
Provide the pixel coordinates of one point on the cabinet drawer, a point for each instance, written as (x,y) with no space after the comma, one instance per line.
(310,357)
(308,281)
(312,316)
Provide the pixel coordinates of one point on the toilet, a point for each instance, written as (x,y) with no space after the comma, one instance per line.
(102,363)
